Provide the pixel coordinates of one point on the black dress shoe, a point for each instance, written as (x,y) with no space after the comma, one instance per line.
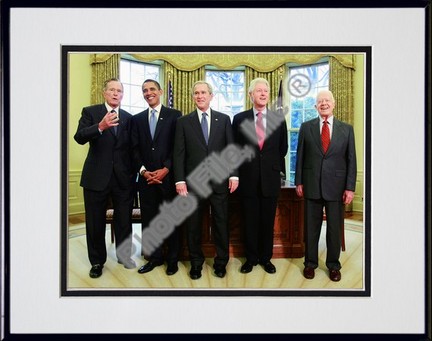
(269,267)
(195,272)
(309,272)
(246,267)
(172,268)
(96,271)
(220,271)
(335,275)
(148,267)
(127,263)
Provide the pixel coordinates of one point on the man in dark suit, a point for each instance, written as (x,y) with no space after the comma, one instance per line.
(107,172)
(260,178)
(326,178)
(152,143)
(197,135)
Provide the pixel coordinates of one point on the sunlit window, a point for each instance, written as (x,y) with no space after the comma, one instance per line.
(302,105)
(229,91)
(132,75)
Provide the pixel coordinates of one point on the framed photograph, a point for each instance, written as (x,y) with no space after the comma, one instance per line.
(48,82)
(296,85)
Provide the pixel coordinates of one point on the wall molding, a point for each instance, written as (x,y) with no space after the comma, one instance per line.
(75,193)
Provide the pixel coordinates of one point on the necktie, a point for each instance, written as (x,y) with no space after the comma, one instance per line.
(260,130)
(115,127)
(204,126)
(325,136)
(152,122)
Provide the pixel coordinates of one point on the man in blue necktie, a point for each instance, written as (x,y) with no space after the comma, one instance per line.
(107,173)
(199,134)
(152,144)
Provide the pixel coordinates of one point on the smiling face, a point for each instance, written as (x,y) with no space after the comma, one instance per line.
(325,103)
(260,95)
(113,93)
(202,96)
(152,93)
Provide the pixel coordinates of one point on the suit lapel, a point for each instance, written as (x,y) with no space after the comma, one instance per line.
(267,136)
(121,126)
(145,123)
(103,111)
(197,127)
(250,117)
(247,128)
(214,126)
(159,123)
(336,133)
(315,132)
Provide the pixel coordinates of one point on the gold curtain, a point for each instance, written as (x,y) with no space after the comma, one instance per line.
(262,62)
(273,77)
(104,67)
(182,82)
(183,69)
(342,87)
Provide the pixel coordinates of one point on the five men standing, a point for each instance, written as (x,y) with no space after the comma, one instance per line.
(165,147)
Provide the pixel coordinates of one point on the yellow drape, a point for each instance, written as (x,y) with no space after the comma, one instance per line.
(183,69)
(103,67)
(341,85)
(261,62)
(182,82)
(273,77)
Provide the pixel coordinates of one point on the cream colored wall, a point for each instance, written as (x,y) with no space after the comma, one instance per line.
(78,97)
(359,116)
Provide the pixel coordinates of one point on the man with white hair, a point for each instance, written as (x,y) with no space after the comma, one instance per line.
(264,131)
(326,174)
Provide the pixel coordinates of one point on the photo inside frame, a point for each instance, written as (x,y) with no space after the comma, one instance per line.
(295,75)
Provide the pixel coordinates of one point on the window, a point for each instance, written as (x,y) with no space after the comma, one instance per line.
(302,106)
(132,75)
(229,91)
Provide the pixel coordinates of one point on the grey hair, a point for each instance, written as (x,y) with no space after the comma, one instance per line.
(105,85)
(256,81)
(325,92)
(210,88)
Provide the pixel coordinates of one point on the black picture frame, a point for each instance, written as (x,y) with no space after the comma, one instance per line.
(9,191)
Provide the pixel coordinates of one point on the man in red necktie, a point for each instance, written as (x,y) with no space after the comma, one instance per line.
(326,172)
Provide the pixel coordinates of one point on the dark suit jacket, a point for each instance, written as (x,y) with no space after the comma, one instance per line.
(190,148)
(107,153)
(330,174)
(262,173)
(154,153)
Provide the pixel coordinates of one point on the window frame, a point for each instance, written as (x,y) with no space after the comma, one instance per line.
(291,156)
(135,109)
(243,92)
